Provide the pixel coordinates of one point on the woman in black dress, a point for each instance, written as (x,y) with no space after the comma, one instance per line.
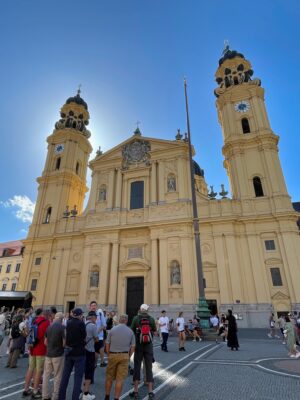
(232,340)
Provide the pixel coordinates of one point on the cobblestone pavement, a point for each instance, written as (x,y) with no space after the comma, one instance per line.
(260,370)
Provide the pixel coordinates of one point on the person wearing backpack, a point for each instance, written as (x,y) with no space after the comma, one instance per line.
(38,351)
(143,326)
(91,339)
(17,339)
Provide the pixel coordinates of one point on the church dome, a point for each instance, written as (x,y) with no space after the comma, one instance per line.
(229,54)
(197,170)
(78,100)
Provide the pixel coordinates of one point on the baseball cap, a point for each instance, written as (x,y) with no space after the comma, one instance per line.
(92,314)
(77,312)
(144,307)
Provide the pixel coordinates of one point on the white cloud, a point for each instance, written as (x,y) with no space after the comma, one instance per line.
(23,207)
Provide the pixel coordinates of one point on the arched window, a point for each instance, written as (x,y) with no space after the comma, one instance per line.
(57,164)
(171,183)
(102,193)
(245,125)
(48,215)
(258,189)
(77,168)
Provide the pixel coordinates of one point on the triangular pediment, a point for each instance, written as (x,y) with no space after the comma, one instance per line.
(154,147)
(280,296)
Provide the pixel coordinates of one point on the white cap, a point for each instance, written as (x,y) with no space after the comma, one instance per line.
(144,307)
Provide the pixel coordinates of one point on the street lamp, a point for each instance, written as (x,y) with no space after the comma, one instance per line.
(202,308)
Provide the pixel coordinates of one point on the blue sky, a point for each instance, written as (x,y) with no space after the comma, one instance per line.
(130,57)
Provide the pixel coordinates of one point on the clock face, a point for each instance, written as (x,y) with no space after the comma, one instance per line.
(242,106)
(59,148)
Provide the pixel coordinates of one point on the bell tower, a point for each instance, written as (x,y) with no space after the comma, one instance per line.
(250,146)
(62,186)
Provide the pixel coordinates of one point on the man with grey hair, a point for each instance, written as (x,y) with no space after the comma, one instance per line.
(120,345)
(54,361)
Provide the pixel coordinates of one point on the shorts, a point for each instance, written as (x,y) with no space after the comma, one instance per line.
(99,345)
(117,367)
(89,365)
(36,363)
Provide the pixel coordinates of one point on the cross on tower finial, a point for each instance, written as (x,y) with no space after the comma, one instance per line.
(79,91)
(226,46)
(137,131)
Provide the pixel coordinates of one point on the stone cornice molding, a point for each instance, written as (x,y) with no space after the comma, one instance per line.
(234,94)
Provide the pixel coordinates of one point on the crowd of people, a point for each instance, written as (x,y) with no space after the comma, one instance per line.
(287,327)
(58,344)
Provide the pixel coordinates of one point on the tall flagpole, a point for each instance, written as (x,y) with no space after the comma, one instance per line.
(202,309)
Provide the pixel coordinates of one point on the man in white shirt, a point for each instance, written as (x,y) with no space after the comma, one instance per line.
(164,328)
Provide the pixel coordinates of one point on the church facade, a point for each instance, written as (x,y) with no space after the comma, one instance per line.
(134,241)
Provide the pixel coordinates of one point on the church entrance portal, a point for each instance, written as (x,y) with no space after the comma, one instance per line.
(135,296)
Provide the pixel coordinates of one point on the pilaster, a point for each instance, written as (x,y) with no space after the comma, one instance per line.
(112,295)
(163,271)
(154,272)
(118,189)
(161,182)
(153,198)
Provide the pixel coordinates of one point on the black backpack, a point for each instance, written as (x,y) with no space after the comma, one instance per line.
(15,332)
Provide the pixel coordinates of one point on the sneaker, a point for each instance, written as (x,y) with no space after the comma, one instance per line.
(269,335)
(183,349)
(292,356)
(194,340)
(134,395)
(298,355)
(283,342)
(88,396)
(151,395)
(37,395)
(103,364)
(27,393)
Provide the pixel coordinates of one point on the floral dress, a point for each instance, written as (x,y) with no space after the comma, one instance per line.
(290,337)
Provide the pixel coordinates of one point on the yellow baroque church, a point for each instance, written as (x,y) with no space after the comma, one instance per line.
(134,241)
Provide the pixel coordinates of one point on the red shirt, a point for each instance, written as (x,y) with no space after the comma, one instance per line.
(40,349)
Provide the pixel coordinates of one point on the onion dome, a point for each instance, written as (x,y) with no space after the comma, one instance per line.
(77,100)
(233,70)
(229,54)
(74,115)
(197,170)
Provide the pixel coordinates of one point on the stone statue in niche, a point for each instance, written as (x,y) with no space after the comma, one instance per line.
(175,273)
(171,184)
(102,193)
